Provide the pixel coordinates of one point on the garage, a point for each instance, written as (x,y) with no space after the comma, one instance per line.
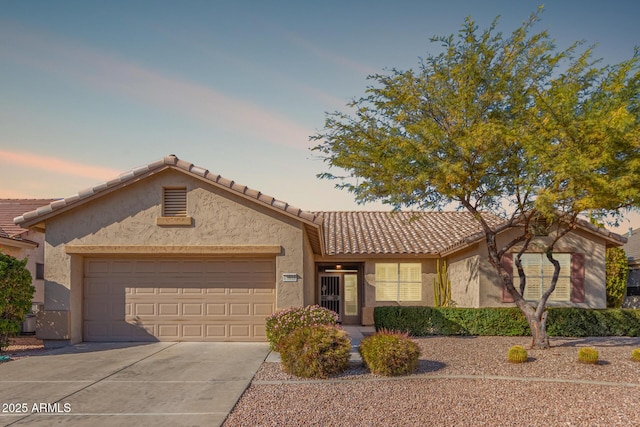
(177,299)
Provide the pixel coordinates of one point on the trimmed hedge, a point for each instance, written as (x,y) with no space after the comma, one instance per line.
(561,321)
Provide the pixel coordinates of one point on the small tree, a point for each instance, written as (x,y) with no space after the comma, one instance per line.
(617,273)
(16,293)
(493,122)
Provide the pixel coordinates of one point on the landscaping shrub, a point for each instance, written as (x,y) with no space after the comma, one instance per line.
(315,351)
(617,268)
(389,353)
(517,354)
(635,354)
(588,355)
(16,293)
(507,321)
(283,322)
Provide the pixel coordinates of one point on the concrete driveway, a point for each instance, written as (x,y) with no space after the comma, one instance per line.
(116,384)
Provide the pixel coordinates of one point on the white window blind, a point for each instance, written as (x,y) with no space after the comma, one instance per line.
(539,272)
(398,282)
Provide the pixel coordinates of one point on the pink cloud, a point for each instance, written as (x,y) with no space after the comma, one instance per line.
(60,166)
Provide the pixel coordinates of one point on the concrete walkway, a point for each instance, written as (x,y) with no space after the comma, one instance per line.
(140,384)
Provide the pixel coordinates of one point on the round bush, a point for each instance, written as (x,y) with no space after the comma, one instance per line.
(315,351)
(517,354)
(588,355)
(635,354)
(283,322)
(389,353)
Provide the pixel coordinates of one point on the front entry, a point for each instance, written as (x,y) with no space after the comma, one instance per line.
(340,291)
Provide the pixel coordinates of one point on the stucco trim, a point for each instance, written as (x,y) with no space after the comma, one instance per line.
(174,221)
(173,250)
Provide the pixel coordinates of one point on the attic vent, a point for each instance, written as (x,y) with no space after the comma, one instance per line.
(175,202)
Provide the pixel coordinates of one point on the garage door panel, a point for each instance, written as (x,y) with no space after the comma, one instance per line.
(178,299)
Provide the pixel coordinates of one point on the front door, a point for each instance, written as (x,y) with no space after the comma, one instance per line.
(339,292)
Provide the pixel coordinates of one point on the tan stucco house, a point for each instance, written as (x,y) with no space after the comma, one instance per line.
(170,251)
(23,243)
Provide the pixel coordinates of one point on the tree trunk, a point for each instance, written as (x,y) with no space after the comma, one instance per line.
(540,339)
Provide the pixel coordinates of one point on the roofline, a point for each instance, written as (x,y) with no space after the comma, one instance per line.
(18,243)
(44,213)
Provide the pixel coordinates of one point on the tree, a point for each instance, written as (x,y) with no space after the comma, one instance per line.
(617,273)
(508,125)
(16,293)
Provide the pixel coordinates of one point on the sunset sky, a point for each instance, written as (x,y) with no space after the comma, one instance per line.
(92,89)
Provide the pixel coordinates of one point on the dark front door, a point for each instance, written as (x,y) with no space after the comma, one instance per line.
(339,292)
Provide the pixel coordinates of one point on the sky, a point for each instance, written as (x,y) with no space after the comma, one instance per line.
(92,89)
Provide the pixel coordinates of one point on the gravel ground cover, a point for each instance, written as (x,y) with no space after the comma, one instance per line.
(23,346)
(460,381)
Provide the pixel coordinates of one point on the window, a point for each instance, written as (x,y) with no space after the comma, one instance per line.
(175,202)
(539,272)
(398,282)
(39,271)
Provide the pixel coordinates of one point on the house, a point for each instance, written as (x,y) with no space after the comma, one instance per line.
(23,243)
(171,251)
(632,249)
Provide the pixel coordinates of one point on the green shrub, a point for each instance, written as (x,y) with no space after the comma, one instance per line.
(16,293)
(617,267)
(507,321)
(389,353)
(315,351)
(588,355)
(517,354)
(283,322)
(635,354)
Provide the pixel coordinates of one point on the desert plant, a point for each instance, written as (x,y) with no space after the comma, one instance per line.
(389,353)
(442,286)
(15,296)
(315,351)
(517,354)
(283,322)
(635,354)
(588,355)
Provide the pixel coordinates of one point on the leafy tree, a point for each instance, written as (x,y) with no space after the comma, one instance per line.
(617,273)
(495,121)
(16,293)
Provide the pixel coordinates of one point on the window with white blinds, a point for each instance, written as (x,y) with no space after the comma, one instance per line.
(175,202)
(398,282)
(539,272)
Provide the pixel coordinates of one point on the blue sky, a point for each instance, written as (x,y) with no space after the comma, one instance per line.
(91,89)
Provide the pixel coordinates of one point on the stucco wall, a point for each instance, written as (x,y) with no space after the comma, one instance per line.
(128,217)
(465,280)
(577,241)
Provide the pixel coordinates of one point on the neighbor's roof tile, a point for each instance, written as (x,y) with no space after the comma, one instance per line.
(11,208)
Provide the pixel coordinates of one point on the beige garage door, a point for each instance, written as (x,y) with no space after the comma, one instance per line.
(181,299)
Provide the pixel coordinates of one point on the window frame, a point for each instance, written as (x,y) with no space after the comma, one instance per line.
(546,275)
(396,281)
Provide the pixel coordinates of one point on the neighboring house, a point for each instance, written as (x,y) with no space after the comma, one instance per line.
(23,243)
(632,248)
(170,251)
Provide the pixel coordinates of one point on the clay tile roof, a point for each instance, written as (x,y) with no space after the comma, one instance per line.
(11,208)
(399,232)
(32,216)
